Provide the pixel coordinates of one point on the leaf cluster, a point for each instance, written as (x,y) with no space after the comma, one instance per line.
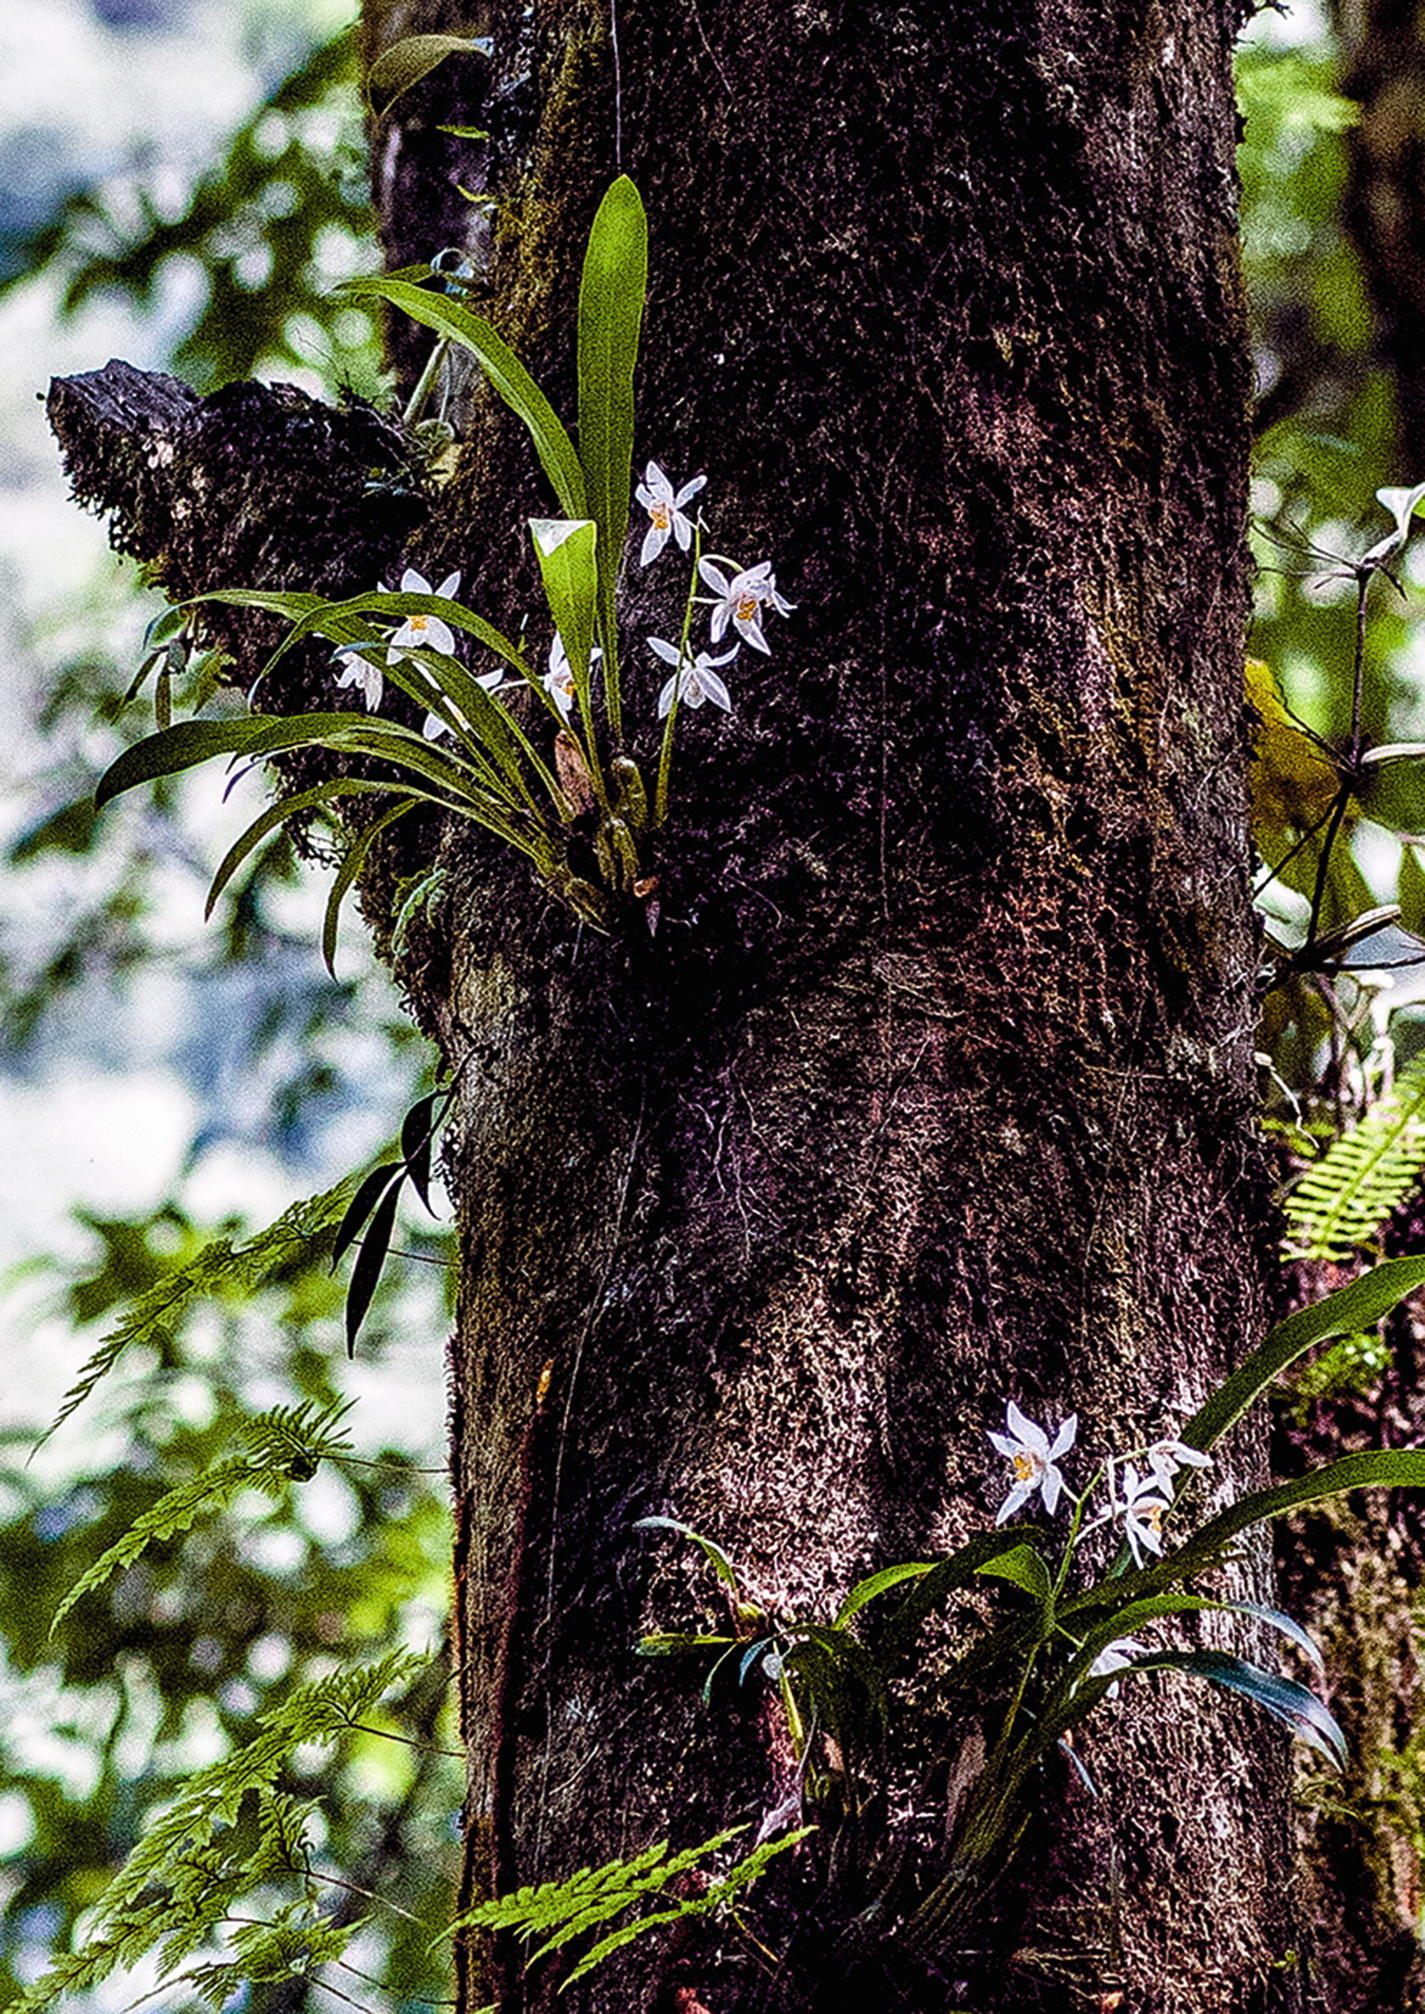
(558,1912)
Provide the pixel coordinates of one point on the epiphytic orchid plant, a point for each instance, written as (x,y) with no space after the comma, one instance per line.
(538,756)
(1079,1602)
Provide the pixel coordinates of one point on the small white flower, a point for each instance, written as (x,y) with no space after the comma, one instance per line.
(1026,1447)
(694,679)
(1401,504)
(559,679)
(1143,1506)
(423,632)
(1167,1456)
(740,601)
(359,671)
(1116,1656)
(666,517)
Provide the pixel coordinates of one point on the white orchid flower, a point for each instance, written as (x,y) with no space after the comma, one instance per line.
(666,517)
(423,632)
(1143,1506)
(1116,1656)
(559,679)
(1026,1447)
(1402,505)
(368,678)
(694,678)
(1167,1456)
(740,601)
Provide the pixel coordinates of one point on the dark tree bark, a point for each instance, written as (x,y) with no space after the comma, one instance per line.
(935,1086)
(1383,45)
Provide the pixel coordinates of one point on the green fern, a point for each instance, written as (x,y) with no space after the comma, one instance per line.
(228,1833)
(282,1446)
(1346,1198)
(306,1230)
(559,1911)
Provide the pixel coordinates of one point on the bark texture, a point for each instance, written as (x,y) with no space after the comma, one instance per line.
(934,1087)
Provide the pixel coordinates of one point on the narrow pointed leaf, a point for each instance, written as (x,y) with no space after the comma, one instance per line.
(611,297)
(568,566)
(367,1196)
(959,1571)
(1300,1709)
(417,1133)
(366,1273)
(716,1558)
(351,866)
(406,62)
(1346,1312)
(278,814)
(875,1585)
(1023,1568)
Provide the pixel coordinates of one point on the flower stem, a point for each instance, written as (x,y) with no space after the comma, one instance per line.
(665,754)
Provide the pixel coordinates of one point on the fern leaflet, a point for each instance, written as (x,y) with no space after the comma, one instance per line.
(228,1832)
(559,1911)
(307,1230)
(1346,1198)
(284,1445)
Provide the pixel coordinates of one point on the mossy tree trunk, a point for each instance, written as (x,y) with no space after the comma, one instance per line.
(934,1087)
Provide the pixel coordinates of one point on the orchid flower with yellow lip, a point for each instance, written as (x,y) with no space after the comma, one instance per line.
(1142,1508)
(423,632)
(666,516)
(1034,1461)
(694,678)
(741,599)
(559,679)
(368,678)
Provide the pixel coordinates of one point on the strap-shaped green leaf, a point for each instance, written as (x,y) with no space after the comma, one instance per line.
(182,747)
(505,372)
(330,618)
(569,568)
(351,866)
(1350,1309)
(877,1584)
(275,815)
(611,296)
(1287,1701)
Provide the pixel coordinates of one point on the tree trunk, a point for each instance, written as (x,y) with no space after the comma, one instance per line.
(934,1087)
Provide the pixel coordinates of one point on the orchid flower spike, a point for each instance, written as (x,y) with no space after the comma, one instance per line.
(1034,1462)
(1402,505)
(1167,1456)
(666,517)
(740,601)
(368,678)
(694,678)
(1117,1656)
(1143,1506)
(423,632)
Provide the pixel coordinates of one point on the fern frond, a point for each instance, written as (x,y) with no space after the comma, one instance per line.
(284,1445)
(305,1231)
(742,1876)
(1346,1198)
(558,1911)
(227,1832)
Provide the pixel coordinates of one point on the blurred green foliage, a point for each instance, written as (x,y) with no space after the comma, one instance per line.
(261,240)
